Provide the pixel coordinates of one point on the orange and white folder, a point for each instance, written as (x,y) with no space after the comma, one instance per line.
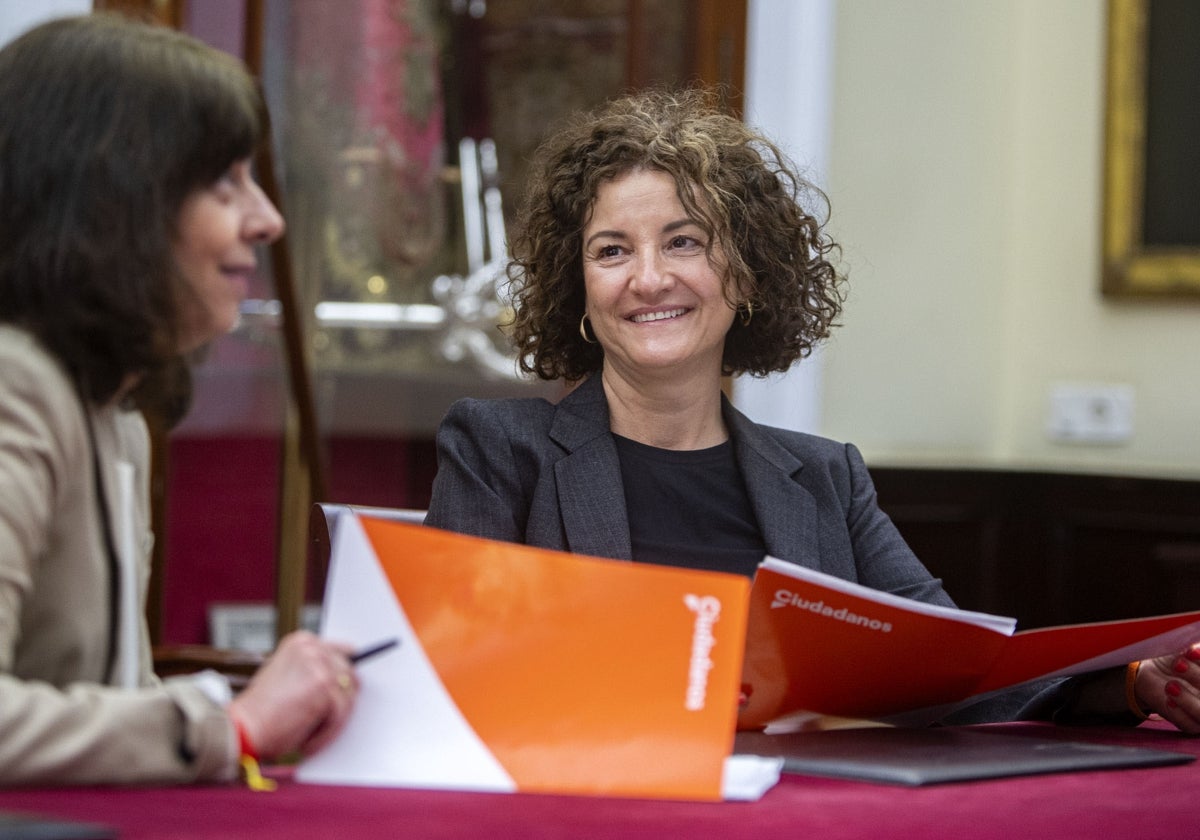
(522,669)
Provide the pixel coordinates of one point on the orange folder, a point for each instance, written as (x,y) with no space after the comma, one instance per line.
(566,674)
(823,645)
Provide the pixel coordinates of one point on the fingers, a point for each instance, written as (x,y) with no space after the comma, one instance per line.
(330,725)
(341,696)
(300,698)
(338,647)
(1170,686)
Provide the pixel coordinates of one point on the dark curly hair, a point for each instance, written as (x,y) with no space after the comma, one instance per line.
(736,184)
(109,124)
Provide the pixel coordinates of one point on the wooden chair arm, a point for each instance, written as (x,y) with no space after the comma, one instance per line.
(237,665)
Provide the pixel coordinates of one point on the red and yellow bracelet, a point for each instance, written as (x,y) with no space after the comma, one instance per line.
(248,760)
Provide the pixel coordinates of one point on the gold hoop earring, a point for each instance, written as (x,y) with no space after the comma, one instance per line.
(746,314)
(583,329)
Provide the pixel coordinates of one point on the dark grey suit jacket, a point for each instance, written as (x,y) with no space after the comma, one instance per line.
(529,471)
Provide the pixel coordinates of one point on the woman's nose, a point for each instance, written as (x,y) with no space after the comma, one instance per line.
(264,223)
(651,274)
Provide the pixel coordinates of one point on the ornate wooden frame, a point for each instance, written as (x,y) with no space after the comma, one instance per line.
(1131,266)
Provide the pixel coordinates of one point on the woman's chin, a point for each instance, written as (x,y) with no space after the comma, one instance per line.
(195,336)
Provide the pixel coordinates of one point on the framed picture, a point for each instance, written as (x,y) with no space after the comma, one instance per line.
(1151,236)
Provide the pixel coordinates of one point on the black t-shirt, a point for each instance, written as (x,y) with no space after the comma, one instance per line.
(689,508)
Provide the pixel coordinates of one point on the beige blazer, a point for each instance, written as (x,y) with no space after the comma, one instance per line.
(59,723)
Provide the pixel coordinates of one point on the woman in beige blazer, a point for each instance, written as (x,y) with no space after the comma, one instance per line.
(129,225)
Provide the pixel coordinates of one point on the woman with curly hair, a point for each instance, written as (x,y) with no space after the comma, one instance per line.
(129,227)
(662,244)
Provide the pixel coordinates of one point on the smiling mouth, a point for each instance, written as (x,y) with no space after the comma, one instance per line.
(657,316)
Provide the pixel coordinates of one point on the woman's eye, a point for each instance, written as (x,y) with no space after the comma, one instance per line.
(608,251)
(232,177)
(226,184)
(681,242)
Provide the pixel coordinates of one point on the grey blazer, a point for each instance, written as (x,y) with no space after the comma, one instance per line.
(524,470)
(530,471)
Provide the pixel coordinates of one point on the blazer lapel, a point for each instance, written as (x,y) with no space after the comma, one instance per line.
(786,511)
(591,497)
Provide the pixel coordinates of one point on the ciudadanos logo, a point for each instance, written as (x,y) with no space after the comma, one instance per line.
(707,609)
(787,598)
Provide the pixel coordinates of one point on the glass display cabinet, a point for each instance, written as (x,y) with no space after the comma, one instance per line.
(400,135)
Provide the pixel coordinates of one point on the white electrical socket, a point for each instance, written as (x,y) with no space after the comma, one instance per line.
(1083,412)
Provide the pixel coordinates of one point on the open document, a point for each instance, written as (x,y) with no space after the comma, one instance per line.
(819,644)
(521,669)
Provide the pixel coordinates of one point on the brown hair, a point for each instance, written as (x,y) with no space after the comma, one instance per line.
(733,181)
(108,126)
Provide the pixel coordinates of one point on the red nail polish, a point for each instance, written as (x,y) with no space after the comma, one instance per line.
(1193,653)
(744,695)
(1180,666)
(1174,689)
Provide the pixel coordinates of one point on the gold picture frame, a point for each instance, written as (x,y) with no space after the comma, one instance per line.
(1143,255)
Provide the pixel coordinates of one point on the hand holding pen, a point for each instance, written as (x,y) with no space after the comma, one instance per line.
(301,696)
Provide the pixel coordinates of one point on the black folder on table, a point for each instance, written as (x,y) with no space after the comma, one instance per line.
(21,826)
(933,756)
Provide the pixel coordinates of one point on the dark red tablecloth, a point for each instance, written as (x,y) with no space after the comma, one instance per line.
(1151,803)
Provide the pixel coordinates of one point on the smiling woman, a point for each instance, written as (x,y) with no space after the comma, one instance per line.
(116,259)
(757,218)
(656,294)
(663,242)
(219,227)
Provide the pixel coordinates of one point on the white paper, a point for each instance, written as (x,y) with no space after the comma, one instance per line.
(997,623)
(405,730)
(747,777)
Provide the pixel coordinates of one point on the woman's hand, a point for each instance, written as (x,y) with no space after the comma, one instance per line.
(300,697)
(1170,687)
